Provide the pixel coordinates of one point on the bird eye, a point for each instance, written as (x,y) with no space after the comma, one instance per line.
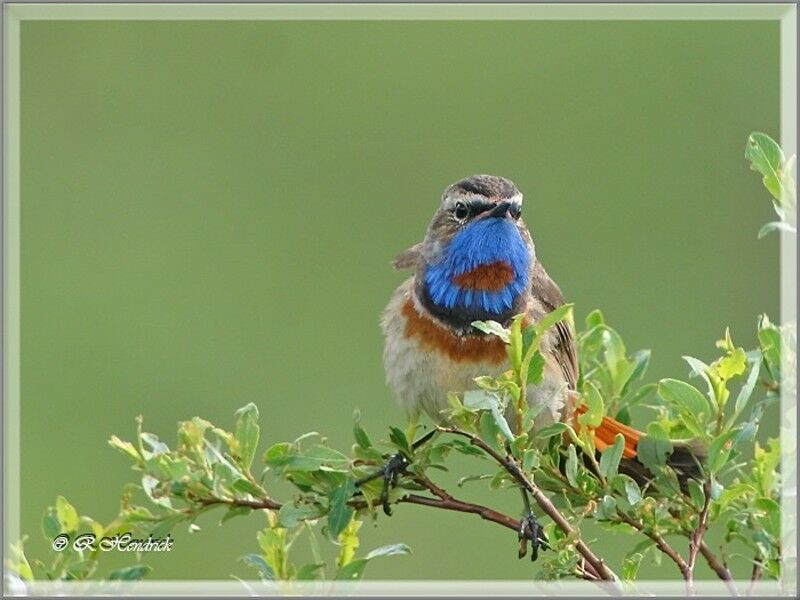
(461,211)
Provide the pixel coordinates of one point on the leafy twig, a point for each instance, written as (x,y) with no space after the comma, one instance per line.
(508,463)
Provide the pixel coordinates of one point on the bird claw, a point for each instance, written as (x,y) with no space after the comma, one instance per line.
(390,473)
(530,530)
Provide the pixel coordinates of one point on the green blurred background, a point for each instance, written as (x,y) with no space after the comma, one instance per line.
(209,211)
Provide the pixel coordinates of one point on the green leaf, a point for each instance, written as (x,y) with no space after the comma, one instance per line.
(316,458)
(770,516)
(641,393)
(551,430)
(149,485)
(720,449)
(480,399)
(769,340)
(702,369)
(67,515)
(553,317)
(389,550)
(741,492)
(340,513)
(653,449)
(594,318)
(641,360)
(630,488)
(310,572)
(462,480)
(125,447)
(607,509)
(132,573)
(502,424)
(156,446)
(167,525)
(489,432)
(277,454)
(398,438)
(747,389)
(18,562)
(247,433)
(609,459)
(766,157)
(685,397)
(257,561)
(594,406)
(696,493)
(694,408)
(530,460)
(776,226)
(571,467)
(292,514)
(733,364)
(352,571)
(468,449)
(235,511)
(51,526)
(536,369)
(493,328)
(361,437)
(630,566)
(515,342)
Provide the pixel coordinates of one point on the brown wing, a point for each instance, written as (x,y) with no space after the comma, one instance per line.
(549,295)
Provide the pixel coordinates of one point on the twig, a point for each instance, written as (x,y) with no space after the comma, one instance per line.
(447,502)
(720,568)
(466,507)
(603,572)
(696,537)
(262,503)
(660,543)
(756,575)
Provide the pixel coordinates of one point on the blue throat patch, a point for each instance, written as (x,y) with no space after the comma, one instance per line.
(483,242)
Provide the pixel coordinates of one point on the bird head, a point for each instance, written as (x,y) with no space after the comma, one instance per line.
(477,254)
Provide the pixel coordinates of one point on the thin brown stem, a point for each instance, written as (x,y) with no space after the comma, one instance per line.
(660,543)
(756,574)
(719,567)
(542,500)
(454,504)
(696,537)
(262,503)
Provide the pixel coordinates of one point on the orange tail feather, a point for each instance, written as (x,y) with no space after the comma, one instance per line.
(608,429)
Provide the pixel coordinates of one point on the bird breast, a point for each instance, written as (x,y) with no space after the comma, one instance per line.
(424,359)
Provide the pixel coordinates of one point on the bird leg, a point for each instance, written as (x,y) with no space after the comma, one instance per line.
(530,530)
(395,466)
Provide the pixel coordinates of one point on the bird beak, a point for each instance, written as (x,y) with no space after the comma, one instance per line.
(501,210)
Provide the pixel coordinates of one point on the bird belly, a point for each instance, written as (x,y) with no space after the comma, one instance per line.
(424,361)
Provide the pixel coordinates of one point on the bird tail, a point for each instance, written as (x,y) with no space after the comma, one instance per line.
(685,458)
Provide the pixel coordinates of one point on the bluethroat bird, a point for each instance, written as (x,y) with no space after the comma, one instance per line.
(479,262)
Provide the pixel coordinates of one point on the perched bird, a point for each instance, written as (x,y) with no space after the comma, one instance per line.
(478,261)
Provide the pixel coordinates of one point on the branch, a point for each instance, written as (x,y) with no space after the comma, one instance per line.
(597,564)
(756,574)
(467,507)
(718,567)
(660,543)
(445,501)
(696,537)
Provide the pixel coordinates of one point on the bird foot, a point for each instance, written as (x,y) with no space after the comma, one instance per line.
(530,530)
(390,473)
